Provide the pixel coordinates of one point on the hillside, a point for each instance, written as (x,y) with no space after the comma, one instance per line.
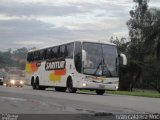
(16,58)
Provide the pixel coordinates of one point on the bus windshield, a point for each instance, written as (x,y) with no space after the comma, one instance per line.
(101,59)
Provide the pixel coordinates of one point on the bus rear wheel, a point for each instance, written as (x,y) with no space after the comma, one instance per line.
(39,87)
(70,86)
(33,83)
(37,84)
(100,92)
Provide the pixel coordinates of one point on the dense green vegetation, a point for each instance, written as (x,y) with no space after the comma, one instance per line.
(142,50)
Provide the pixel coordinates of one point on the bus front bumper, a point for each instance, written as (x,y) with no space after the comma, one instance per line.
(95,86)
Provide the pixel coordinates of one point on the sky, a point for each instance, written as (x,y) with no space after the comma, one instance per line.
(39,23)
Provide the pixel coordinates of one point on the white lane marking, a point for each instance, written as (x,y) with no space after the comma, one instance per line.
(12,98)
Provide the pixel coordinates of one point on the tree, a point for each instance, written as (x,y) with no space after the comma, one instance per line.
(144,47)
(151,35)
(151,32)
(136,49)
(135,26)
(121,43)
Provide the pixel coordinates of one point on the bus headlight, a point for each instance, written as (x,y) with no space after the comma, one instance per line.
(84,84)
(21,82)
(116,87)
(12,81)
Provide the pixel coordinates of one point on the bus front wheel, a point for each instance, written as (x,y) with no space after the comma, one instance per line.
(70,86)
(100,92)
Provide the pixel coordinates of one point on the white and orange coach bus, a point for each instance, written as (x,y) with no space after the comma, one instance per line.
(75,65)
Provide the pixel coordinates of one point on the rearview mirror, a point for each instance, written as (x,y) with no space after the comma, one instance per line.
(124,58)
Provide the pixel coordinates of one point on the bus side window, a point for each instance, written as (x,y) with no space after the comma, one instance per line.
(48,54)
(66,51)
(70,50)
(53,52)
(62,51)
(44,54)
(41,55)
(78,56)
(30,57)
(34,56)
(58,52)
(37,53)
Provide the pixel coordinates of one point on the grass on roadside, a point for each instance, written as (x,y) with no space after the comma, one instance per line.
(141,93)
(135,92)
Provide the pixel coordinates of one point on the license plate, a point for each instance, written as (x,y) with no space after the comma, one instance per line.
(101,86)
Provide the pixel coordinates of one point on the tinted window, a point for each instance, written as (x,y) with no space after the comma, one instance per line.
(78,56)
(44,54)
(69,50)
(54,52)
(58,52)
(103,58)
(41,55)
(36,54)
(29,57)
(62,51)
(48,54)
(32,56)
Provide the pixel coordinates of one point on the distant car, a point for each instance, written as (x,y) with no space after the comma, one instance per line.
(1,80)
(12,82)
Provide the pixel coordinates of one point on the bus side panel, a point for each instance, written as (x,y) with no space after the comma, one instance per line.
(56,77)
(29,72)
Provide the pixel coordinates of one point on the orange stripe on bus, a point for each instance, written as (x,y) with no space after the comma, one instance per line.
(60,72)
(34,67)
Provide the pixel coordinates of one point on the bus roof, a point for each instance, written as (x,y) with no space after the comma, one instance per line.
(91,41)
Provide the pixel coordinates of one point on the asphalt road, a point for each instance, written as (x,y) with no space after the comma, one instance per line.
(27,101)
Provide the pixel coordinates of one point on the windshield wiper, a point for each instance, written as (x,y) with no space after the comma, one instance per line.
(106,66)
(97,67)
(103,64)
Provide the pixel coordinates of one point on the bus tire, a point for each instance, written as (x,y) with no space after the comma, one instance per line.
(70,86)
(60,89)
(37,83)
(38,87)
(100,92)
(33,83)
